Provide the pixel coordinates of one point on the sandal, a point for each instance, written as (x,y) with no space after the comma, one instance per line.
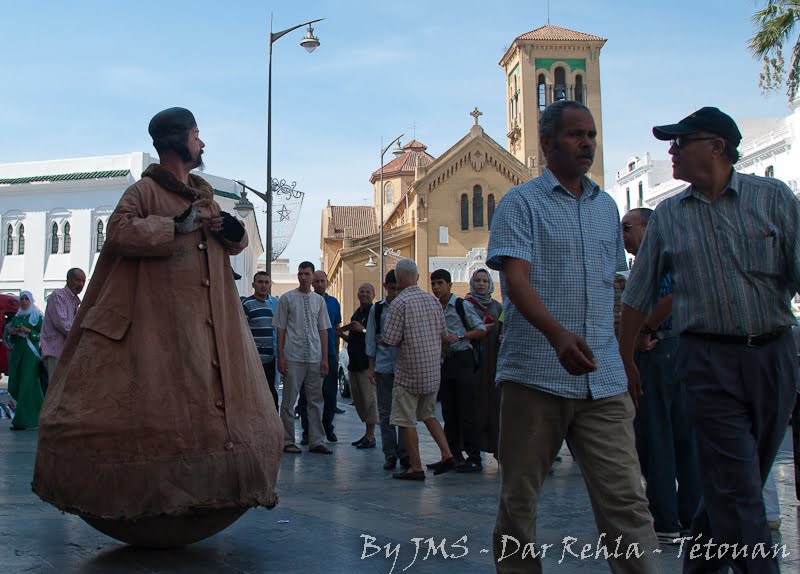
(292,448)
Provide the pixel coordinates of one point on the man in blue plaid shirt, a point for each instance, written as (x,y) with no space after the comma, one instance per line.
(558,244)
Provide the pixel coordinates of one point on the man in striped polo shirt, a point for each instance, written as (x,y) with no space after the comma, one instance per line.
(259,309)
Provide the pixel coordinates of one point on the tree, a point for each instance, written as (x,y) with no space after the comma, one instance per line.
(775,24)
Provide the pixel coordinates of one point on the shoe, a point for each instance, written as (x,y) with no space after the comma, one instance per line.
(339,411)
(292,449)
(331,436)
(445,466)
(409,475)
(667,537)
(405,462)
(304,440)
(391,462)
(320,449)
(366,444)
(359,441)
(469,466)
(774,524)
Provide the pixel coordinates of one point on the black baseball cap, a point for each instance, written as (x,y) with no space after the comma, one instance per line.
(707,119)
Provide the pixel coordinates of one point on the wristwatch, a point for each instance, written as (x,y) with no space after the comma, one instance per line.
(460,335)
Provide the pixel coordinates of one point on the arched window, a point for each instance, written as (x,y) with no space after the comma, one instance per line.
(10,240)
(542,92)
(464,212)
(490,205)
(477,206)
(769,172)
(54,238)
(21,240)
(579,89)
(560,87)
(67,238)
(101,238)
(388,193)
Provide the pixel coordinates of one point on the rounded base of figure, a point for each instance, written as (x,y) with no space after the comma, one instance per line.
(167,531)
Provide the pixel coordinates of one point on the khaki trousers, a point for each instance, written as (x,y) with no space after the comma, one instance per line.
(299,375)
(533,425)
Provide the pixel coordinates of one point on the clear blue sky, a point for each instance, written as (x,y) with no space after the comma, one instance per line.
(83,78)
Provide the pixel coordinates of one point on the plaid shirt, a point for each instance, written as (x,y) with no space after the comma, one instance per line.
(62,306)
(575,248)
(415,324)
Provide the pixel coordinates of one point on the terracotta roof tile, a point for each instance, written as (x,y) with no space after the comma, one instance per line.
(415,144)
(550,32)
(358,218)
(413,156)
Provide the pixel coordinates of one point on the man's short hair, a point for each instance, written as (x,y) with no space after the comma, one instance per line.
(71,273)
(306,265)
(260,273)
(643,213)
(550,120)
(442,274)
(406,268)
(391,278)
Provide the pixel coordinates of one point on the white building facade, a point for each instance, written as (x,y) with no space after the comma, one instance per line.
(54,215)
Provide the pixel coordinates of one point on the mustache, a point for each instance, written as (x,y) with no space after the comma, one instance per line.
(585,154)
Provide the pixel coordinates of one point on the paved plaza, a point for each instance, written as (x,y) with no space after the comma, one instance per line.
(329,508)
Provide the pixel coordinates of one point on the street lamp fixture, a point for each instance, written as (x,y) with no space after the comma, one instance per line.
(382,198)
(371,263)
(244,206)
(310,43)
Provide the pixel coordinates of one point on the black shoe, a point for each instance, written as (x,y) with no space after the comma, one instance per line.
(339,411)
(445,466)
(331,436)
(359,441)
(391,462)
(304,442)
(409,475)
(366,444)
(405,462)
(469,466)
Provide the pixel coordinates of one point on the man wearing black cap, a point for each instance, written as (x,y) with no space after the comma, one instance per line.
(161,380)
(731,244)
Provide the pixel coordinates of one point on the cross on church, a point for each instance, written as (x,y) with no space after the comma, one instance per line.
(475,114)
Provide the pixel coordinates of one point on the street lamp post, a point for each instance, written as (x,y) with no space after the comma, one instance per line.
(382,199)
(310,43)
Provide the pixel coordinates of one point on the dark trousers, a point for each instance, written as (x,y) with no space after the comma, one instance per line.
(391,437)
(796,446)
(269,371)
(665,440)
(457,393)
(739,399)
(330,388)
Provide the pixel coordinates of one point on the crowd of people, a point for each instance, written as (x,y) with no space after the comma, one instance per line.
(695,387)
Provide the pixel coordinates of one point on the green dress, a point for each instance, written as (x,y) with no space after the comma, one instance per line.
(24,384)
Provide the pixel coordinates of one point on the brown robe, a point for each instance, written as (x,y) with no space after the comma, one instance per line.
(159,403)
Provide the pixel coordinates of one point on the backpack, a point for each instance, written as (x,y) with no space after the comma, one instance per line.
(378,311)
(475,345)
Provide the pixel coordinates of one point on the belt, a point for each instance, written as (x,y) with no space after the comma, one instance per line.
(747,340)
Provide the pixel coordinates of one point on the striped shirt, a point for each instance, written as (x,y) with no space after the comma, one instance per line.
(259,318)
(574,246)
(302,316)
(415,325)
(734,263)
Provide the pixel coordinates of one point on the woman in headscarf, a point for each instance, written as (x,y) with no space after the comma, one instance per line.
(24,384)
(481,288)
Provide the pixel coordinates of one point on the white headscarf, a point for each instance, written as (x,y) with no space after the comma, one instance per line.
(31,312)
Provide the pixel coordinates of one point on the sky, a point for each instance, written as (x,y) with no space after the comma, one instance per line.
(84,77)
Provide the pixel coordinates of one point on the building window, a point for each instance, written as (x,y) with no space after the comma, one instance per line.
(388,193)
(101,238)
(67,238)
(21,240)
(769,172)
(54,238)
(641,194)
(477,206)
(542,92)
(579,89)
(560,88)
(464,212)
(490,205)
(10,240)
(627,199)
(444,235)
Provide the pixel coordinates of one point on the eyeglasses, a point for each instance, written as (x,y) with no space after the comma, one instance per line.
(681,141)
